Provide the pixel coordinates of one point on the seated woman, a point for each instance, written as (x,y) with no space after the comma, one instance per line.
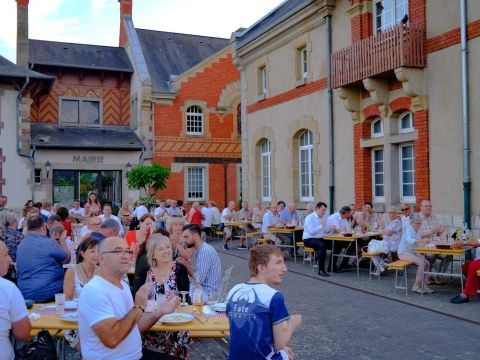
(64,217)
(76,278)
(410,238)
(136,237)
(392,234)
(174,228)
(167,276)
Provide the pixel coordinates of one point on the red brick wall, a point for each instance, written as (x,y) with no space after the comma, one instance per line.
(361,26)
(417,12)
(451,37)
(401,104)
(111,89)
(362,163)
(422,176)
(220,139)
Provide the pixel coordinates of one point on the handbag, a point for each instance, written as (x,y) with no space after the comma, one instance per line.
(378,246)
(41,348)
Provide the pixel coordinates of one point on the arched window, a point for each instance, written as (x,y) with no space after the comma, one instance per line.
(377,128)
(305,163)
(194,120)
(266,170)
(405,122)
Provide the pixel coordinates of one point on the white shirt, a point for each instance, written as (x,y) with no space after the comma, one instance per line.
(85,230)
(227,212)
(405,222)
(315,227)
(207,217)
(101,300)
(269,220)
(140,211)
(159,212)
(216,216)
(102,216)
(339,223)
(77,212)
(45,212)
(174,211)
(12,309)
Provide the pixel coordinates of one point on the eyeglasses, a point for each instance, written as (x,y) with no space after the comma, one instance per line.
(119,251)
(405,209)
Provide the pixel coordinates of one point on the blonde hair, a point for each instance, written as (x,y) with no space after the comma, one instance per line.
(174,220)
(153,241)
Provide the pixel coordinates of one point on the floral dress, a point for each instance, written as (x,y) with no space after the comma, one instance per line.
(174,343)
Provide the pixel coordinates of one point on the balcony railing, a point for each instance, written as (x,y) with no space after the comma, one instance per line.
(399,46)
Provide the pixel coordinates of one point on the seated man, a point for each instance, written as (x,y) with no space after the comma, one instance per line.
(13,312)
(314,229)
(260,326)
(40,262)
(77,211)
(228,215)
(107,214)
(470,269)
(339,223)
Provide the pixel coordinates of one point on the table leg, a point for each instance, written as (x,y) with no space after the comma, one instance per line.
(423,277)
(333,251)
(356,255)
(462,260)
(294,247)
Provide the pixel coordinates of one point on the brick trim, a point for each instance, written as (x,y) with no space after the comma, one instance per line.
(289,95)
(451,37)
(362,164)
(401,104)
(422,174)
(370,111)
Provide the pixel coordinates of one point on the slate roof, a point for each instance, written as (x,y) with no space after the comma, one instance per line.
(269,21)
(9,70)
(83,56)
(169,53)
(51,136)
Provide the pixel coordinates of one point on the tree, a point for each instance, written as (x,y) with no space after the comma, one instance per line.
(150,178)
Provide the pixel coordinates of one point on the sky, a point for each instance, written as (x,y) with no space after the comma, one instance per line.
(97,21)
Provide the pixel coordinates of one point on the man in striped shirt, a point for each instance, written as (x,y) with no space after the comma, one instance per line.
(206,261)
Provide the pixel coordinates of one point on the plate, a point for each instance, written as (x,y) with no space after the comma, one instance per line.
(176,318)
(71,305)
(220,307)
(70,317)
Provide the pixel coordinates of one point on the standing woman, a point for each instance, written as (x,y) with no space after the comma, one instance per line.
(174,228)
(92,205)
(125,214)
(136,237)
(168,277)
(195,215)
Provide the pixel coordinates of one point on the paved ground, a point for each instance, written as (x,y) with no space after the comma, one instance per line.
(349,318)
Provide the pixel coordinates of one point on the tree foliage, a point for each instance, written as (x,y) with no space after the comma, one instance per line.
(150,178)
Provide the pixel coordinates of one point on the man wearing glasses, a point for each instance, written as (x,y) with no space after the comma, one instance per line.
(110,321)
(406,212)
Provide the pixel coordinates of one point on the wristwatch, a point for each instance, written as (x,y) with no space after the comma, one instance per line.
(139,307)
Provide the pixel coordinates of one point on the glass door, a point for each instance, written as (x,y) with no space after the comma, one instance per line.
(88,182)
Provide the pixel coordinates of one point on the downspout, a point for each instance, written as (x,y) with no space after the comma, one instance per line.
(331,163)
(467,184)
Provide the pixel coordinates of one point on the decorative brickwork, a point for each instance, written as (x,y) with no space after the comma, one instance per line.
(401,104)
(362,163)
(451,37)
(422,173)
(371,111)
(361,26)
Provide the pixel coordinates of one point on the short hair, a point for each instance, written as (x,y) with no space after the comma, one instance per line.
(7,218)
(35,222)
(111,224)
(145,217)
(53,218)
(173,220)
(368,203)
(179,203)
(107,204)
(260,255)
(62,212)
(57,229)
(88,243)
(38,205)
(415,218)
(281,202)
(320,204)
(345,209)
(152,243)
(193,228)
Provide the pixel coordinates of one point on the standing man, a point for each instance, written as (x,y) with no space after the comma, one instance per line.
(314,229)
(206,262)
(159,213)
(140,210)
(77,211)
(107,214)
(174,210)
(109,320)
(228,215)
(260,325)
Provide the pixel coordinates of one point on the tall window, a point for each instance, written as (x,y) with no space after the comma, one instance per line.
(302,63)
(407,173)
(305,156)
(405,122)
(389,13)
(262,81)
(377,128)
(195,183)
(194,120)
(79,111)
(378,175)
(265,170)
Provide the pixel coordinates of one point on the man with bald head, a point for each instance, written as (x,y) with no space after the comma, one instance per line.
(110,321)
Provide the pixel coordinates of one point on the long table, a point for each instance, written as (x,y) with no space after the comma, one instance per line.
(291,231)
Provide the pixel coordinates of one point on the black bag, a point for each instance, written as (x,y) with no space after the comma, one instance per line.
(42,347)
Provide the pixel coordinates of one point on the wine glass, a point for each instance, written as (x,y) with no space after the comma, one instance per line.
(212,298)
(184,298)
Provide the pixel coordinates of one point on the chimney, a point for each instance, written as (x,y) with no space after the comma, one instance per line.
(22,33)
(125,10)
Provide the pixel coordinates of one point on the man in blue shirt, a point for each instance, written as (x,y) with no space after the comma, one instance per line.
(260,326)
(40,262)
(290,215)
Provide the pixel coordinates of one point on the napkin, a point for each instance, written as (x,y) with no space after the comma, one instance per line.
(34,316)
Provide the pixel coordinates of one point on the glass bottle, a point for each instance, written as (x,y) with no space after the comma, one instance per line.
(197,293)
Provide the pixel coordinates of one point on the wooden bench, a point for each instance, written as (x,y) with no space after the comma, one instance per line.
(252,235)
(400,265)
(263,241)
(372,268)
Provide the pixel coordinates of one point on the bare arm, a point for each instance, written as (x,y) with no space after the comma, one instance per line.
(149,319)
(283,331)
(21,329)
(64,246)
(111,332)
(69,284)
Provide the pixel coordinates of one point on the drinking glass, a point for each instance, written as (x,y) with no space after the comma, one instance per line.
(184,298)
(212,298)
(60,303)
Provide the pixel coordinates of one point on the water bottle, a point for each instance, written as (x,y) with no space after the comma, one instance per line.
(197,293)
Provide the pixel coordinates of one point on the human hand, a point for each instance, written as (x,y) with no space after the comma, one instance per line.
(458,244)
(141,296)
(168,306)
(295,320)
(289,352)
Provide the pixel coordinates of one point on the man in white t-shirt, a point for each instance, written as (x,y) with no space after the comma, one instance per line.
(207,218)
(228,215)
(107,214)
(77,211)
(110,322)
(140,210)
(339,223)
(13,312)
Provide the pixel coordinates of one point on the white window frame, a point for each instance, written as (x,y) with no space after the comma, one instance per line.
(394,10)
(376,198)
(372,126)
(80,100)
(400,118)
(308,149)
(190,117)
(262,81)
(188,183)
(403,198)
(37,178)
(266,178)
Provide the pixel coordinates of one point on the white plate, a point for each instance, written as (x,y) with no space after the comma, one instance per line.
(176,318)
(220,307)
(71,305)
(70,317)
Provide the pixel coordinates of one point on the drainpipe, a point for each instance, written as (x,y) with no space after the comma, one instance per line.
(331,164)
(467,184)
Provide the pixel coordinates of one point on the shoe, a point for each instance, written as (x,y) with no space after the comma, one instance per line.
(242,247)
(459,299)
(430,282)
(323,273)
(418,290)
(437,281)
(225,247)
(428,290)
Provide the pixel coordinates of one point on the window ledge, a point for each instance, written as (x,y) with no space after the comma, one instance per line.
(404,137)
(300,82)
(261,97)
